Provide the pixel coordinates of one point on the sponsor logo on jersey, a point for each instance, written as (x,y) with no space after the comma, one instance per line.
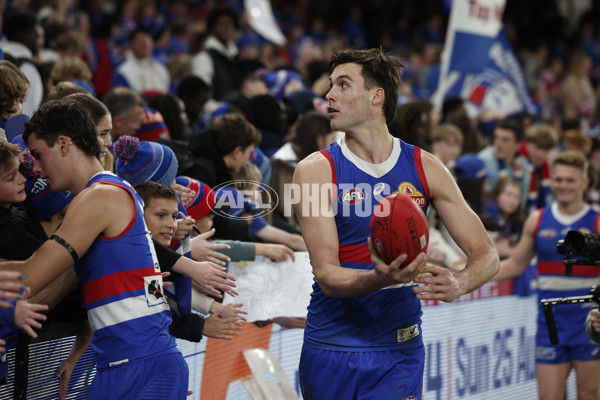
(352,196)
(409,189)
(548,233)
(378,188)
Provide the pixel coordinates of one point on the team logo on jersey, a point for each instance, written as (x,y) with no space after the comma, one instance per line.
(154,289)
(352,196)
(410,398)
(547,233)
(409,189)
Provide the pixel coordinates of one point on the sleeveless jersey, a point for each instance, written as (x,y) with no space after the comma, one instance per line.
(388,318)
(569,319)
(552,226)
(122,290)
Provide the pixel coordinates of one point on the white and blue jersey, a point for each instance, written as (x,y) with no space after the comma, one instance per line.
(387,319)
(574,344)
(122,291)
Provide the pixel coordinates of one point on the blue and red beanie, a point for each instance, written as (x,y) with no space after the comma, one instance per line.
(203,198)
(139,162)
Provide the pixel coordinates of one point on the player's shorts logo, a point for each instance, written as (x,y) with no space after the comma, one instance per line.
(352,196)
(410,190)
(405,334)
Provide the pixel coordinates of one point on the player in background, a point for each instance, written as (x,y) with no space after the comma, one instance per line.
(541,232)
(363,335)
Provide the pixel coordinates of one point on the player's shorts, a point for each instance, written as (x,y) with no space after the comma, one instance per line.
(373,375)
(574,343)
(159,377)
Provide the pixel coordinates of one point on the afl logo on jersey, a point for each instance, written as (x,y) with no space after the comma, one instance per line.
(352,196)
(409,189)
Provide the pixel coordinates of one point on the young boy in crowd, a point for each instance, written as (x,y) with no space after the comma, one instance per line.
(160,214)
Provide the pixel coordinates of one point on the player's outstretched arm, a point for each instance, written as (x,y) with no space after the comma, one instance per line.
(523,253)
(313,180)
(468,232)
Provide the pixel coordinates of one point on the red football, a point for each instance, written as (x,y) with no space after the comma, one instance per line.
(399,226)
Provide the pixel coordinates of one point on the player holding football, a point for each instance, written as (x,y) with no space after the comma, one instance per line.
(358,326)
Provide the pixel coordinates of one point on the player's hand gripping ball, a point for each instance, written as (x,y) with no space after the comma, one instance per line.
(399,226)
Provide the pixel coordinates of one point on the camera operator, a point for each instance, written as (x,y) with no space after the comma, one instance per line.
(541,232)
(592,324)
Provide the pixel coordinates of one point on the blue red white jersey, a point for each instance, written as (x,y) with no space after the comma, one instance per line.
(122,290)
(388,318)
(551,227)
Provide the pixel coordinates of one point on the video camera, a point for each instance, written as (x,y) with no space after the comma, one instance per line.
(578,249)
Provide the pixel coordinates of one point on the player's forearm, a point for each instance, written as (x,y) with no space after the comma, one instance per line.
(480,268)
(337,281)
(57,290)
(81,342)
(31,279)
(508,270)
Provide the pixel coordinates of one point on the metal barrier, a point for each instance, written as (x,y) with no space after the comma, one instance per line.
(32,365)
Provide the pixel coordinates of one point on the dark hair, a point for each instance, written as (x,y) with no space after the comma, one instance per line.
(231,130)
(312,125)
(154,190)
(192,86)
(94,107)
(513,125)
(378,70)
(517,217)
(137,31)
(265,112)
(450,105)
(21,27)
(168,106)
(217,13)
(63,117)
(412,123)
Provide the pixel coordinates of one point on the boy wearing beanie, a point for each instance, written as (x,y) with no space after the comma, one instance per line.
(160,213)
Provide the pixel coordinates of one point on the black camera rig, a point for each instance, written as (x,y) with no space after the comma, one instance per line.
(579,249)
